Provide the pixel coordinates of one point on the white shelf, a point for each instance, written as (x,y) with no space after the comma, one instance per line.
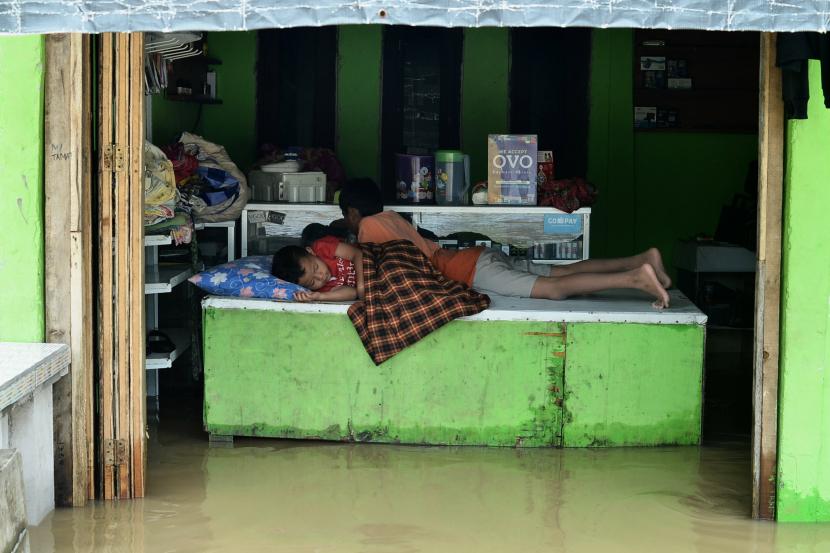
(415,208)
(223,224)
(162,279)
(157,240)
(181,339)
(500,209)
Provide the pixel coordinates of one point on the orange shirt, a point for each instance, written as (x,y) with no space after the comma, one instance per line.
(388,225)
(458,265)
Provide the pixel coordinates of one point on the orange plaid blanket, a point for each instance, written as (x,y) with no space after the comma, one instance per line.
(405,299)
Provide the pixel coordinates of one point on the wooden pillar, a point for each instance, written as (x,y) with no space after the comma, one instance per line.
(68,249)
(768,282)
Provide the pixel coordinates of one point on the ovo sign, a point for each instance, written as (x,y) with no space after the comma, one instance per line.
(512,161)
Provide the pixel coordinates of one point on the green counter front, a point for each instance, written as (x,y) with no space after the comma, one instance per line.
(602,371)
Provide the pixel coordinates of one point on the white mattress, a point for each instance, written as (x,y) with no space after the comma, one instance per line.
(616,306)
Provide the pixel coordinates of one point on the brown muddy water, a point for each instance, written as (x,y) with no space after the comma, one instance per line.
(271,495)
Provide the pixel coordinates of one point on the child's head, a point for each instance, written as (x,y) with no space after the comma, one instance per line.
(300,266)
(360,198)
(313,232)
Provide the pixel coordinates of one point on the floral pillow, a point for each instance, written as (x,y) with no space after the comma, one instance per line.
(249,277)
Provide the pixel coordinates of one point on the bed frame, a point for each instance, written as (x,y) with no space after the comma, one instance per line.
(602,371)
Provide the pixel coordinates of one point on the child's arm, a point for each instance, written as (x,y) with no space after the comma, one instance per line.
(355,255)
(341,293)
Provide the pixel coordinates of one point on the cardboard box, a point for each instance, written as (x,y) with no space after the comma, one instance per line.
(511,169)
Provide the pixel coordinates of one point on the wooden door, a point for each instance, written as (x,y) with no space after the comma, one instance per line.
(122,442)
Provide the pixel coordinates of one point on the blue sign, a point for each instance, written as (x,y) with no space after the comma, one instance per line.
(563,223)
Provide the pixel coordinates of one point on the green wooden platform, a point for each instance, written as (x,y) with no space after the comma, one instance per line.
(300,371)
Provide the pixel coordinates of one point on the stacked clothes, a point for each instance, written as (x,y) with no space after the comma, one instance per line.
(179,227)
(211,188)
(162,199)
(160,194)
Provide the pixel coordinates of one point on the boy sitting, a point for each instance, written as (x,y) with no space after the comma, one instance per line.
(491,271)
(332,270)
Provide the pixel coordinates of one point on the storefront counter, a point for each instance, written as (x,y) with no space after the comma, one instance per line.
(605,370)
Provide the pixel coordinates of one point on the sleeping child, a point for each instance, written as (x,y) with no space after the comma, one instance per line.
(330,269)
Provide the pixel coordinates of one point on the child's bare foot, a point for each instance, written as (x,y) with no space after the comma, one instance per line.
(645,279)
(652,257)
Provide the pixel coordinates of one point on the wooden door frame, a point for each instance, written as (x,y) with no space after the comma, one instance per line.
(67,142)
(68,250)
(771,134)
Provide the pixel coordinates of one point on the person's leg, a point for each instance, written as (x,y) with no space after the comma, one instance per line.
(613,265)
(642,278)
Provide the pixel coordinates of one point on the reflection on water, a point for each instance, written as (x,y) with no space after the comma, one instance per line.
(269,495)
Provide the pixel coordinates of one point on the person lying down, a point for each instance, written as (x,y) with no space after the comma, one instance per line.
(333,271)
(403,296)
(491,272)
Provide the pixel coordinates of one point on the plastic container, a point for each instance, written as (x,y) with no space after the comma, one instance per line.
(452,180)
(415,179)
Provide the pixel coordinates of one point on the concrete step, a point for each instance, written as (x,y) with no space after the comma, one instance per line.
(13,535)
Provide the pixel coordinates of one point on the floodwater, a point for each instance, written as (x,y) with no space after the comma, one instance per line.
(272,495)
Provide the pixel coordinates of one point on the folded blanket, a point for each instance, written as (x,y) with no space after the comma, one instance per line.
(406,298)
(180,228)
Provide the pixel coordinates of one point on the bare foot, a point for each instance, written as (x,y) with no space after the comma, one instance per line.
(645,279)
(652,257)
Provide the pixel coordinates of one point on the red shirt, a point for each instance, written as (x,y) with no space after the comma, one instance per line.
(342,270)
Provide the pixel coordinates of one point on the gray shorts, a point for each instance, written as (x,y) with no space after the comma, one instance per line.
(499,274)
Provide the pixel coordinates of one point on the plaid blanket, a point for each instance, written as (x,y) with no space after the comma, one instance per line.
(405,299)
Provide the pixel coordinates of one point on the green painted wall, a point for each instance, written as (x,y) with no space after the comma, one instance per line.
(611,143)
(21,201)
(682,180)
(655,187)
(484,95)
(171,118)
(232,123)
(804,405)
(358,99)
